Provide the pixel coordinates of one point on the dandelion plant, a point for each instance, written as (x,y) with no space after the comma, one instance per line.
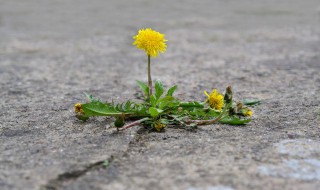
(162,108)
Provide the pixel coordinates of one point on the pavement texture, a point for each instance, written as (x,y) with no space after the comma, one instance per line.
(53,51)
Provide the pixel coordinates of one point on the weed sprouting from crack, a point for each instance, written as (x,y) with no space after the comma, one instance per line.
(159,107)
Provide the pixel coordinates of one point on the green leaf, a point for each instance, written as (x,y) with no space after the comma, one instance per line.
(164,121)
(144,87)
(154,112)
(127,106)
(232,120)
(251,102)
(106,163)
(91,98)
(159,89)
(167,98)
(140,110)
(192,104)
(167,101)
(172,90)
(153,100)
(100,109)
(82,117)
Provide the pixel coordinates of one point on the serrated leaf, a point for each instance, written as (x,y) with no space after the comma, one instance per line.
(232,120)
(172,90)
(154,112)
(127,105)
(100,109)
(140,110)
(251,102)
(159,89)
(144,87)
(91,98)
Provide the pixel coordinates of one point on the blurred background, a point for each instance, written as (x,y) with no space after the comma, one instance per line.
(211,33)
(61,21)
(74,19)
(64,42)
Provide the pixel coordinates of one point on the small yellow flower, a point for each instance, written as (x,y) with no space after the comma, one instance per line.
(78,108)
(158,126)
(248,112)
(152,42)
(215,99)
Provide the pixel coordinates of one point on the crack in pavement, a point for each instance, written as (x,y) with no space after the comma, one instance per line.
(61,179)
(54,184)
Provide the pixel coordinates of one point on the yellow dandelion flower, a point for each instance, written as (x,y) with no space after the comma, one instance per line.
(247,112)
(151,41)
(215,99)
(78,108)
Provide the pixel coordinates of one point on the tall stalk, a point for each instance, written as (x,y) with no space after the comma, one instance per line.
(149,76)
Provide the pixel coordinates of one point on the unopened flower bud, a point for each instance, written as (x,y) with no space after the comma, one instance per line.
(228,95)
(159,126)
(239,106)
(119,122)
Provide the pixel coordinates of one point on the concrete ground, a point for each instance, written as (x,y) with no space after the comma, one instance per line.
(53,51)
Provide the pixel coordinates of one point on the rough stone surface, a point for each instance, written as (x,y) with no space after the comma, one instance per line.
(53,51)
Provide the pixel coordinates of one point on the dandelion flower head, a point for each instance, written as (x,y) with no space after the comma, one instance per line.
(151,41)
(215,99)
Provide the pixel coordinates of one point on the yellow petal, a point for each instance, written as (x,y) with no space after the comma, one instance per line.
(214,91)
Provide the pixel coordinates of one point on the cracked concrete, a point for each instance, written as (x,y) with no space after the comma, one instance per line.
(53,51)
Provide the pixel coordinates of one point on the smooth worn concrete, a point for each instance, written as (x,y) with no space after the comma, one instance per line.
(51,52)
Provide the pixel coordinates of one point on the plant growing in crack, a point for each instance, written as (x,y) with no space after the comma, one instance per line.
(161,108)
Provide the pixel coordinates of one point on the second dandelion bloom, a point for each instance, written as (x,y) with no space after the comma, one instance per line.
(151,41)
(215,99)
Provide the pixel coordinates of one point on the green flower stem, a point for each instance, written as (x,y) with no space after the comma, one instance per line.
(133,124)
(149,77)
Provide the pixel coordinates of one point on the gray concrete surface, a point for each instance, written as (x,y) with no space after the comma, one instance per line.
(53,51)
